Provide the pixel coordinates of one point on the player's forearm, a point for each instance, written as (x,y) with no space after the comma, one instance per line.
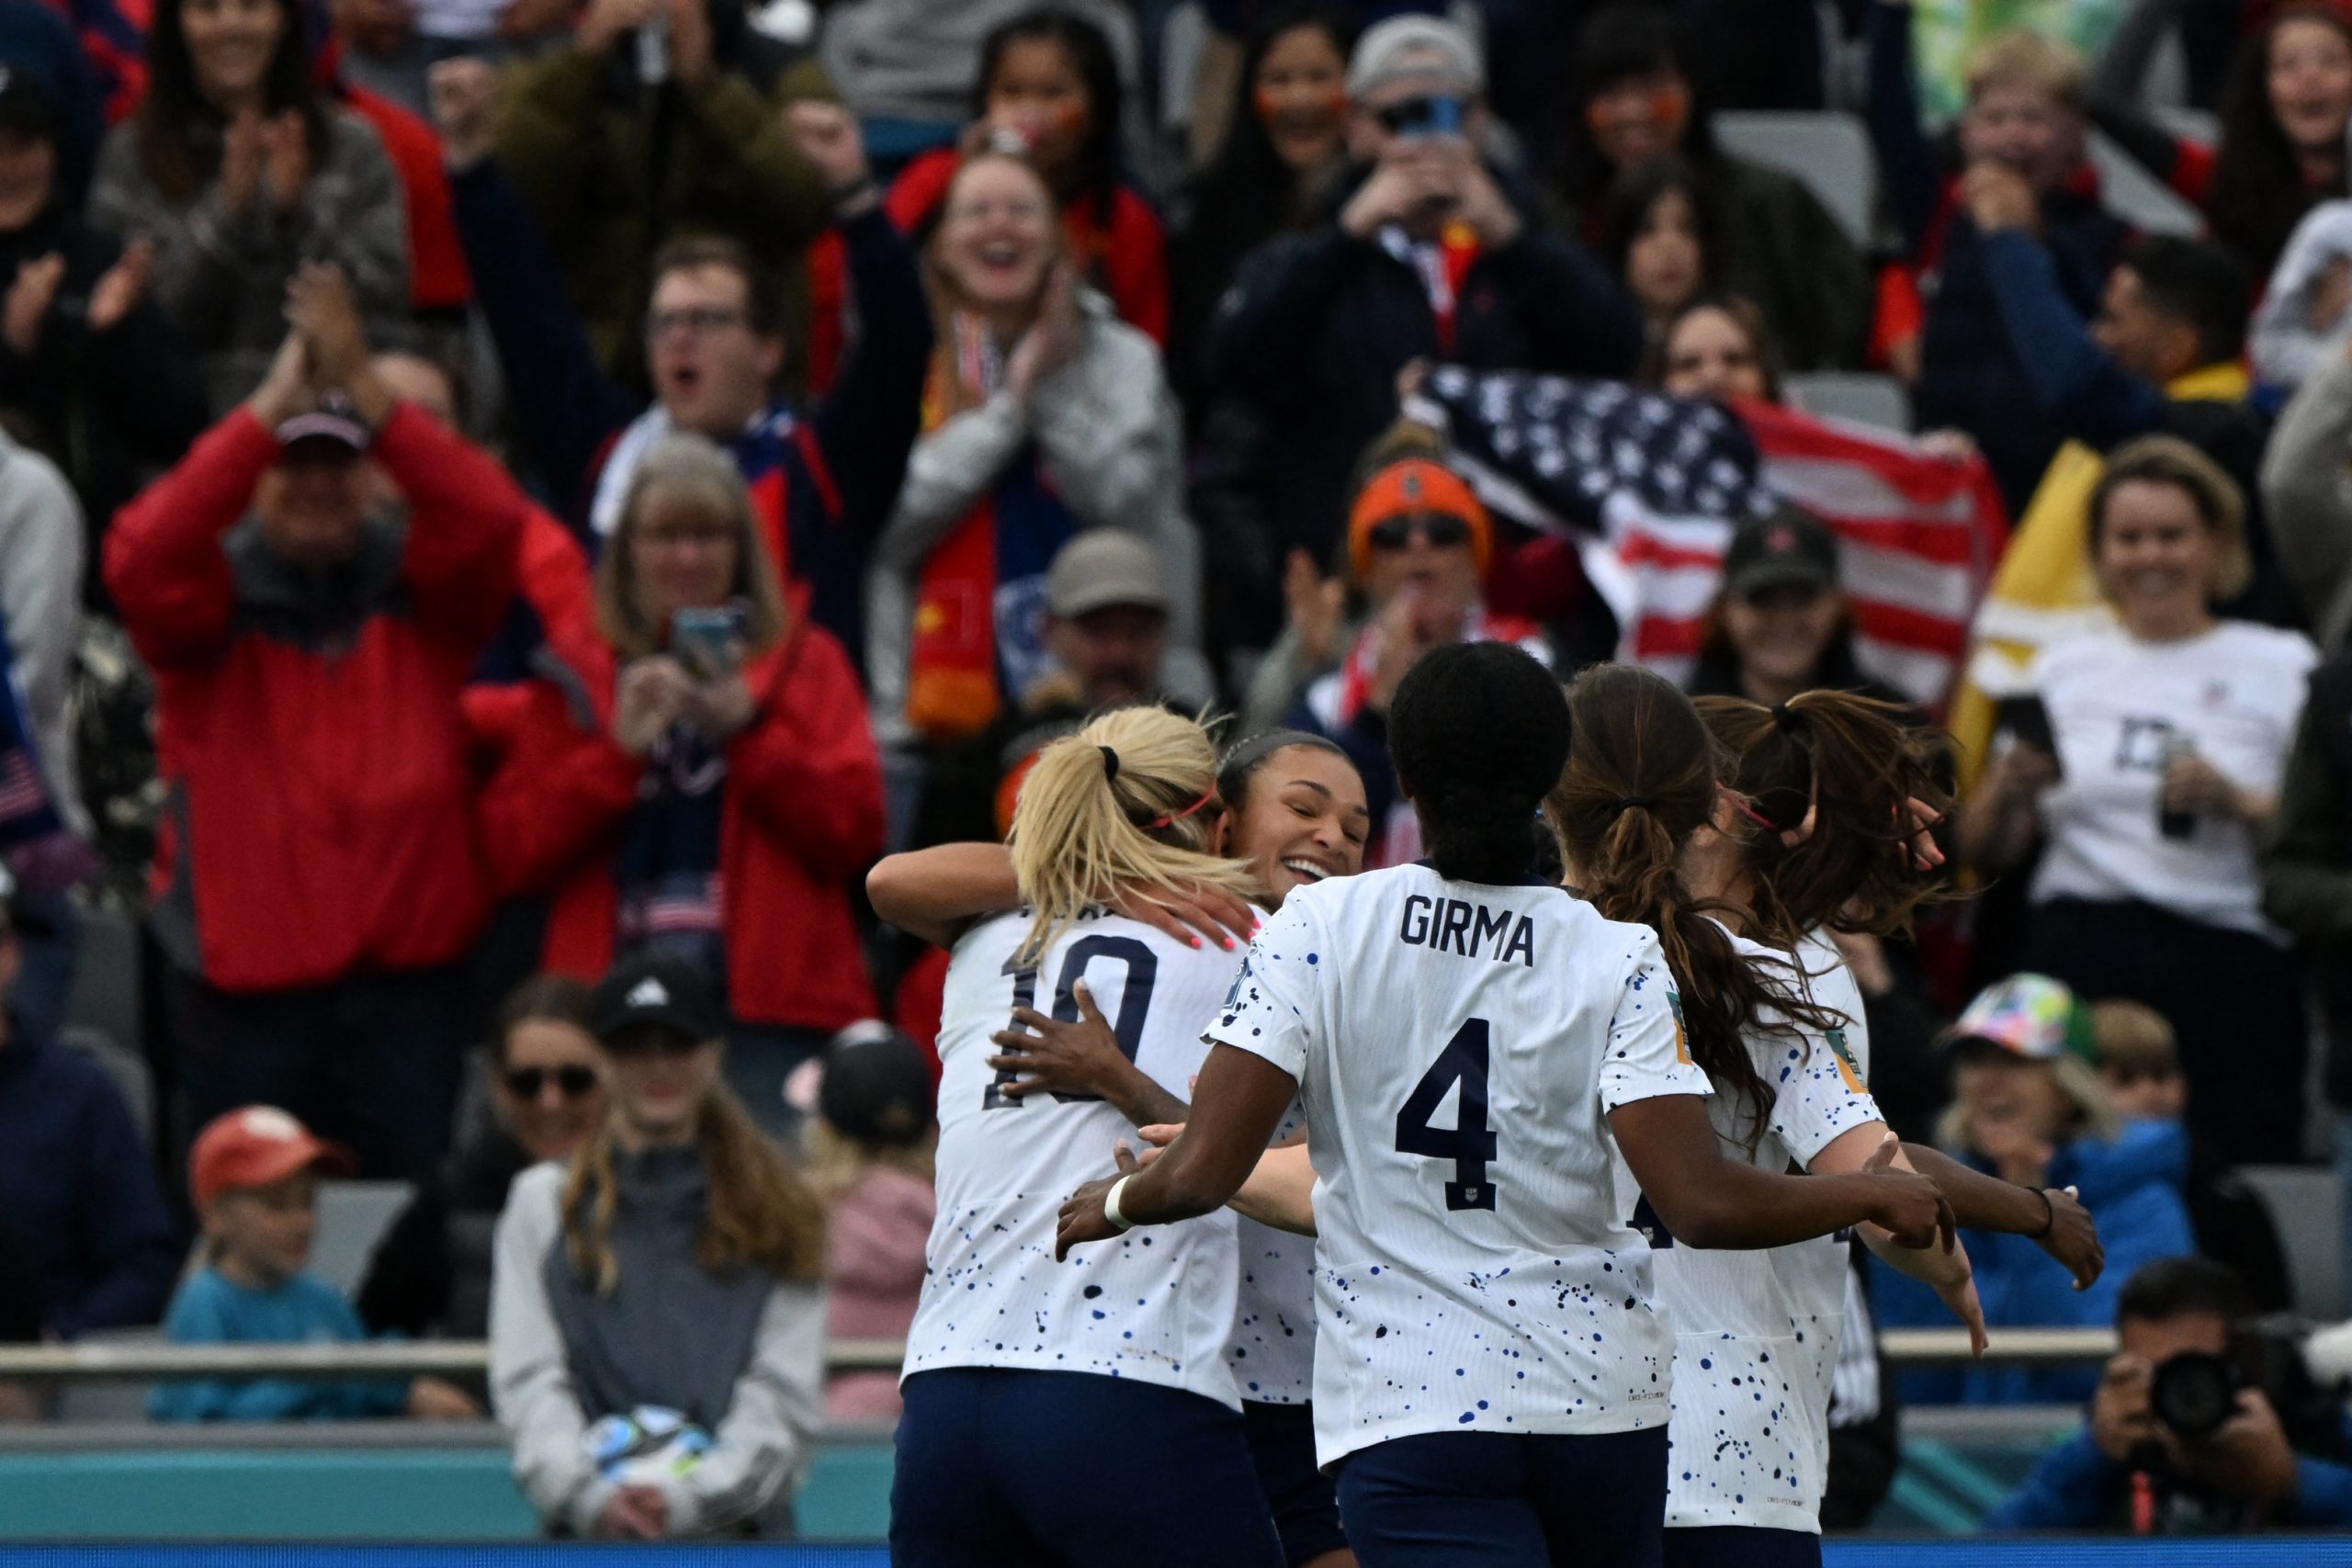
(1280,1191)
(933,893)
(1929,1265)
(1984,1203)
(1744,1209)
(1140,1098)
(1199,1174)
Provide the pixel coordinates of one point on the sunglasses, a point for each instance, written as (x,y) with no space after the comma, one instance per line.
(525,1083)
(1441,531)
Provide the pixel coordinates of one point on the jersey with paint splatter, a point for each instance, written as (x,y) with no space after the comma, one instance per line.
(1756,1333)
(1155,1305)
(1473,1273)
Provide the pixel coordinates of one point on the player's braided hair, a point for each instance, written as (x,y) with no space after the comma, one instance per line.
(1478,732)
(1640,781)
(1856,764)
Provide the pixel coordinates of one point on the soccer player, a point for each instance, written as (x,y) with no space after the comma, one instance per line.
(1025,1373)
(1491,1375)
(1295,813)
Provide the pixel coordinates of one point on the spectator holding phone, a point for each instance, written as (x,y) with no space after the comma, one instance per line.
(707,787)
(2168,739)
(1430,253)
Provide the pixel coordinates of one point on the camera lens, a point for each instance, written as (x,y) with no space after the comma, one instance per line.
(2194,1391)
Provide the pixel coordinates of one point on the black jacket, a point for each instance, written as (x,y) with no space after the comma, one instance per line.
(111,409)
(430,1276)
(1316,326)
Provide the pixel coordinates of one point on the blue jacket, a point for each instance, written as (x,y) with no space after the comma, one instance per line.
(839,468)
(76,1183)
(2076,1486)
(211,1310)
(2132,1186)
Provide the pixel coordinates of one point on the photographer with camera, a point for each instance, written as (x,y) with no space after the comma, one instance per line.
(2207,1420)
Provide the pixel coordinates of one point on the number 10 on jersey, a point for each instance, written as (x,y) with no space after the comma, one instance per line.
(1469,1142)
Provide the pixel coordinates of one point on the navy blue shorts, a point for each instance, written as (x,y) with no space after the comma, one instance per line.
(1495,1500)
(1742,1546)
(1305,1506)
(998,1467)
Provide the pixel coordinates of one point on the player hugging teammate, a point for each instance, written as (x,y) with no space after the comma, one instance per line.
(1549,1146)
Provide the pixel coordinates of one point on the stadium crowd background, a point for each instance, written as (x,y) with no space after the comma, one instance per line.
(493,492)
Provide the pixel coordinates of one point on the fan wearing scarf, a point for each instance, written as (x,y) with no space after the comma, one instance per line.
(1044,416)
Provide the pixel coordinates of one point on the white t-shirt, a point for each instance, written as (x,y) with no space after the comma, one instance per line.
(2115,702)
(1155,1305)
(1756,1333)
(1459,1047)
(1274,1333)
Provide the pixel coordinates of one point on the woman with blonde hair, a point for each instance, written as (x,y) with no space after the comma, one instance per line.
(2144,760)
(707,788)
(1023,1371)
(1044,415)
(657,1324)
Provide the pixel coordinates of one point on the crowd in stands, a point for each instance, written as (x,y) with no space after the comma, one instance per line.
(509,507)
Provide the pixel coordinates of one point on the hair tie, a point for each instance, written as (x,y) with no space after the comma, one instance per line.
(1172,817)
(1741,803)
(1109,763)
(1628,802)
(1785,720)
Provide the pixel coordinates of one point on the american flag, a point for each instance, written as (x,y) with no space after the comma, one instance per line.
(1650,486)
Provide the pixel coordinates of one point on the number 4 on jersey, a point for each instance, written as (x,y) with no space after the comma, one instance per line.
(1469,1142)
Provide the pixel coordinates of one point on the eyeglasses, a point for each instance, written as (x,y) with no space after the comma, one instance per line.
(1441,531)
(528,1083)
(699,320)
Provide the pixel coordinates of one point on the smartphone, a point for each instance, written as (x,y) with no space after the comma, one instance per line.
(709,642)
(2028,720)
(1433,114)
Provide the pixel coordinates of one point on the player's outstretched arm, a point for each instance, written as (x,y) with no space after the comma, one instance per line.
(1708,1201)
(935,894)
(1238,1102)
(2052,1217)
(1280,1191)
(1869,1146)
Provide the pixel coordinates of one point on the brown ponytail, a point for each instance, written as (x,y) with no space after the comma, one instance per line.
(1857,764)
(1640,781)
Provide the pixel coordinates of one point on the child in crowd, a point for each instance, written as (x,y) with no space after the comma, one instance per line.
(2139,1062)
(2029,1107)
(870,1147)
(2139,1069)
(254,1175)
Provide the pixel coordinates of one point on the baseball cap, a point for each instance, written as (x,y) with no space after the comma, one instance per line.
(1405,488)
(658,990)
(877,1088)
(26,102)
(1788,548)
(1404,47)
(254,1146)
(334,420)
(2030,1016)
(1103,567)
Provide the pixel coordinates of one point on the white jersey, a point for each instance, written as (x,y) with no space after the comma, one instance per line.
(1155,1305)
(1755,1332)
(1459,1047)
(1274,1333)
(2117,706)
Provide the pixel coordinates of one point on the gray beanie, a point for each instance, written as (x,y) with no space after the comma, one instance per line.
(1416,46)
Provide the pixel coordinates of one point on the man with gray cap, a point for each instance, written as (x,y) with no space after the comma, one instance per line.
(1431,254)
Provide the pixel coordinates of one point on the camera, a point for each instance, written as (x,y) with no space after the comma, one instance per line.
(2196,1391)
(1433,114)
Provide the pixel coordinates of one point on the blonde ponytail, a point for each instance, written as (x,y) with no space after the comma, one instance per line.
(1128,804)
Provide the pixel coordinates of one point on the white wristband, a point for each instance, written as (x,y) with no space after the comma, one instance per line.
(1110,1205)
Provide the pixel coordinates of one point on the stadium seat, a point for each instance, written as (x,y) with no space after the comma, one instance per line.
(2137,197)
(106,980)
(1827,150)
(2306,1203)
(1878,401)
(353,1217)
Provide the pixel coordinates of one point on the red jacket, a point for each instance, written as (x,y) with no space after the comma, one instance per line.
(313,742)
(1125,256)
(802,815)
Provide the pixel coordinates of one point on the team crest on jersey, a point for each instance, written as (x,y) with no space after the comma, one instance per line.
(1848,1068)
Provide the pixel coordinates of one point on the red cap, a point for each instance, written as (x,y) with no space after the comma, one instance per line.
(255,1146)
